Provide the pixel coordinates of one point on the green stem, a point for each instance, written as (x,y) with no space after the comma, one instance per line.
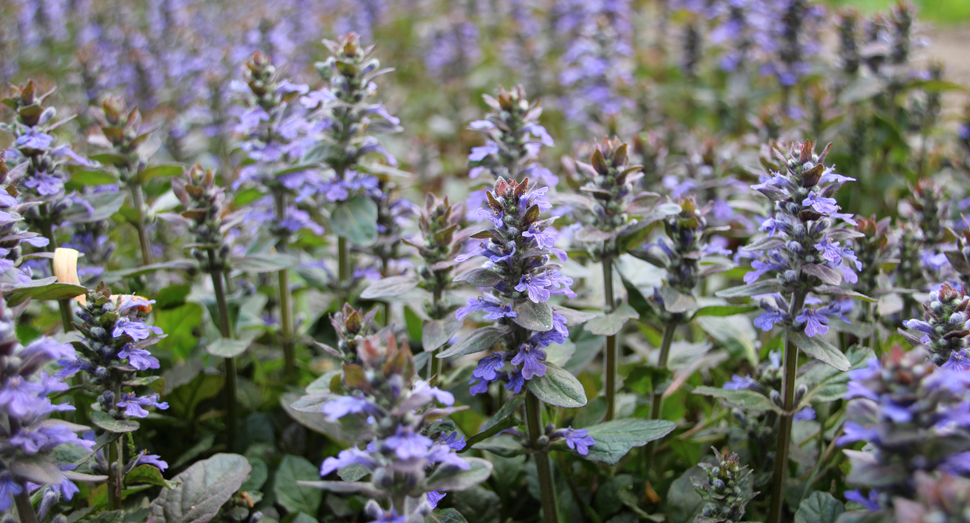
(343,264)
(610,360)
(547,489)
(434,366)
(67,322)
(138,201)
(224,327)
(286,312)
(24,507)
(785,423)
(114,500)
(656,409)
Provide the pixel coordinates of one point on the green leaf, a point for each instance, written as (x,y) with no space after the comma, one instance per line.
(454,479)
(725,310)
(93,178)
(246,196)
(736,334)
(289,494)
(389,287)
(747,399)
(501,445)
(820,349)
(49,291)
(173,265)
(116,160)
(148,474)
(676,301)
(477,341)
(227,348)
(105,205)
(166,171)
(184,399)
(761,287)
(204,488)
(612,323)
(558,387)
(480,277)
(353,472)
(264,262)
(833,290)
(413,323)
(684,504)
(116,426)
(825,383)
(436,333)
(179,324)
(356,220)
(536,317)
(172,296)
(615,438)
(257,476)
(820,507)
(448,515)
(508,408)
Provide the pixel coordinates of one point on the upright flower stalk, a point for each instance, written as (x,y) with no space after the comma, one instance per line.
(513,139)
(913,417)
(123,131)
(440,225)
(28,435)
(204,203)
(40,185)
(803,250)
(352,115)
(681,254)
(408,451)
(518,280)
(726,489)
(276,136)
(112,352)
(943,329)
(616,217)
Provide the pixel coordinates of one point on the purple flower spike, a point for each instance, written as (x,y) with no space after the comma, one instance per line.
(578,440)
(530,358)
(406,444)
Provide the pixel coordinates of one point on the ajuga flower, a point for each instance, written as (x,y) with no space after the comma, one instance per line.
(912,416)
(873,250)
(762,426)
(351,116)
(206,217)
(939,498)
(943,329)
(960,258)
(11,214)
(398,443)
(518,281)
(276,133)
(351,326)
(923,235)
(682,253)
(29,436)
(124,137)
(804,246)
(42,183)
(618,214)
(597,68)
(804,249)
(513,138)
(726,490)
(113,351)
(443,237)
